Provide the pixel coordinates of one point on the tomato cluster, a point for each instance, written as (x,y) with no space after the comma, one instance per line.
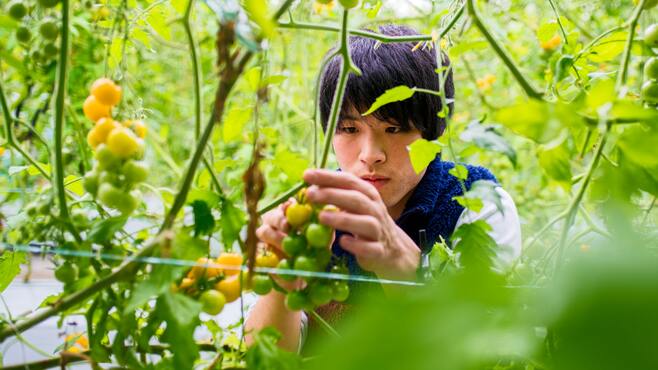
(48,29)
(650,87)
(118,150)
(307,246)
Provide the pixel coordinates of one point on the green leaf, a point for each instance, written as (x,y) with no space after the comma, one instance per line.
(639,145)
(537,120)
(181,315)
(204,222)
(554,159)
(629,111)
(74,184)
(259,13)
(103,231)
(232,220)
(156,283)
(397,93)
(179,6)
(474,245)
(459,171)
(16,169)
(116,52)
(10,266)
(252,76)
(210,197)
(601,93)
(480,191)
(486,137)
(608,48)
(422,152)
(234,123)
(292,164)
(464,47)
(546,31)
(265,354)
(157,19)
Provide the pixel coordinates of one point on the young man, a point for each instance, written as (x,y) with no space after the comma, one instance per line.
(384,204)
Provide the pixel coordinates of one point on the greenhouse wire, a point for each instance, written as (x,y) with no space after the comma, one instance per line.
(47,249)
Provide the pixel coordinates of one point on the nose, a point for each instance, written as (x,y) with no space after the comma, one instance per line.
(372,151)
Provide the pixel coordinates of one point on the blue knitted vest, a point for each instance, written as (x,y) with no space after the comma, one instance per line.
(430,208)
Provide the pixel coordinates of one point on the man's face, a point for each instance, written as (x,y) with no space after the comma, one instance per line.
(376,151)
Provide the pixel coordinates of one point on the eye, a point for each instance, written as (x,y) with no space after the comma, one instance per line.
(347,129)
(393,129)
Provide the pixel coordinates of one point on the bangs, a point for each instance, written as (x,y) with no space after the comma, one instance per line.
(383,67)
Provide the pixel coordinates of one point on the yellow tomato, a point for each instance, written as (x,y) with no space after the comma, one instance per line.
(106,91)
(298,214)
(230,259)
(92,138)
(186,283)
(230,287)
(2,150)
(123,143)
(95,110)
(140,128)
(103,128)
(552,43)
(202,269)
(267,260)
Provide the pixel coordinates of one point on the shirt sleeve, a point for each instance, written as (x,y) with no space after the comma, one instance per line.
(505,228)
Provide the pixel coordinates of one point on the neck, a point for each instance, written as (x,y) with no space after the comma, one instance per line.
(395,211)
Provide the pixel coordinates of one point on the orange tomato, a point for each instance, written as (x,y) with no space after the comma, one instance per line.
(94,109)
(230,287)
(230,259)
(103,128)
(202,269)
(106,91)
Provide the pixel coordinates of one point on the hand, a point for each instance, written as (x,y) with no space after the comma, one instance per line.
(274,228)
(378,244)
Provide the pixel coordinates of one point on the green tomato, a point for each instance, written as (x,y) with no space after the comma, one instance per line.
(49,30)
(650,92)
(348,4)
(651,69)
(212,302)
(106,159)
(321,294)
(66,273)
(340,291)
(303,263)
(90,182)
(23,34)
(293,244)
(296,300)
(285,265)
(135,171)
(324,2)
(322,257)
(651,36)
(109,178)
(113,197)
(318,235)
(262,284)
(50,50)
(48,3)
(17,10)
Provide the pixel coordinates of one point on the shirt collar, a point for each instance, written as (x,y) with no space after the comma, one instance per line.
(425,195)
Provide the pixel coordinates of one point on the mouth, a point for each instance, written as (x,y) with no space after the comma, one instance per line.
(377,181)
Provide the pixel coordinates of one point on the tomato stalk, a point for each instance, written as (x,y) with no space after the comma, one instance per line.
(502,53)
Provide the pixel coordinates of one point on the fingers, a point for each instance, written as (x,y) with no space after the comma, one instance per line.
(343,180)
(349,200)
(276,218)
(364,226)
(270,235)
(361,249)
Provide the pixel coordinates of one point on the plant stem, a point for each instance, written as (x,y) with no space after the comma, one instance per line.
(369,34)
(502,53)
(559,22)
(282,198)
(324,324)
(621,76)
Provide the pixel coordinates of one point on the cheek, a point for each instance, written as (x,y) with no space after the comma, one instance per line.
(345,152)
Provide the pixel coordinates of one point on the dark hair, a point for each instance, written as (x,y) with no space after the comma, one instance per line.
(383,67)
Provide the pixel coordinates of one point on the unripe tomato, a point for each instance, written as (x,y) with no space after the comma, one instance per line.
(94,110)
(23,34)
(106,159)
(341,291)
(304,263)
(322,256)
(651,36)
(90,183)
(17,10)
(298,214)
(114,197)
(262,284)
(80,218)
(230,287)
(321,294)
(48,3)
(296,300)
(318,235)
(109,177)
(66,272)
(293,244)
(230,259)
(648,4)
(135,171)
(212,302)
(651,69)
(50,50)
(267,260)
(285,265)
(323,2)
(348,4)
(650,92)
(106,91)
(122,143)
(49,30)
